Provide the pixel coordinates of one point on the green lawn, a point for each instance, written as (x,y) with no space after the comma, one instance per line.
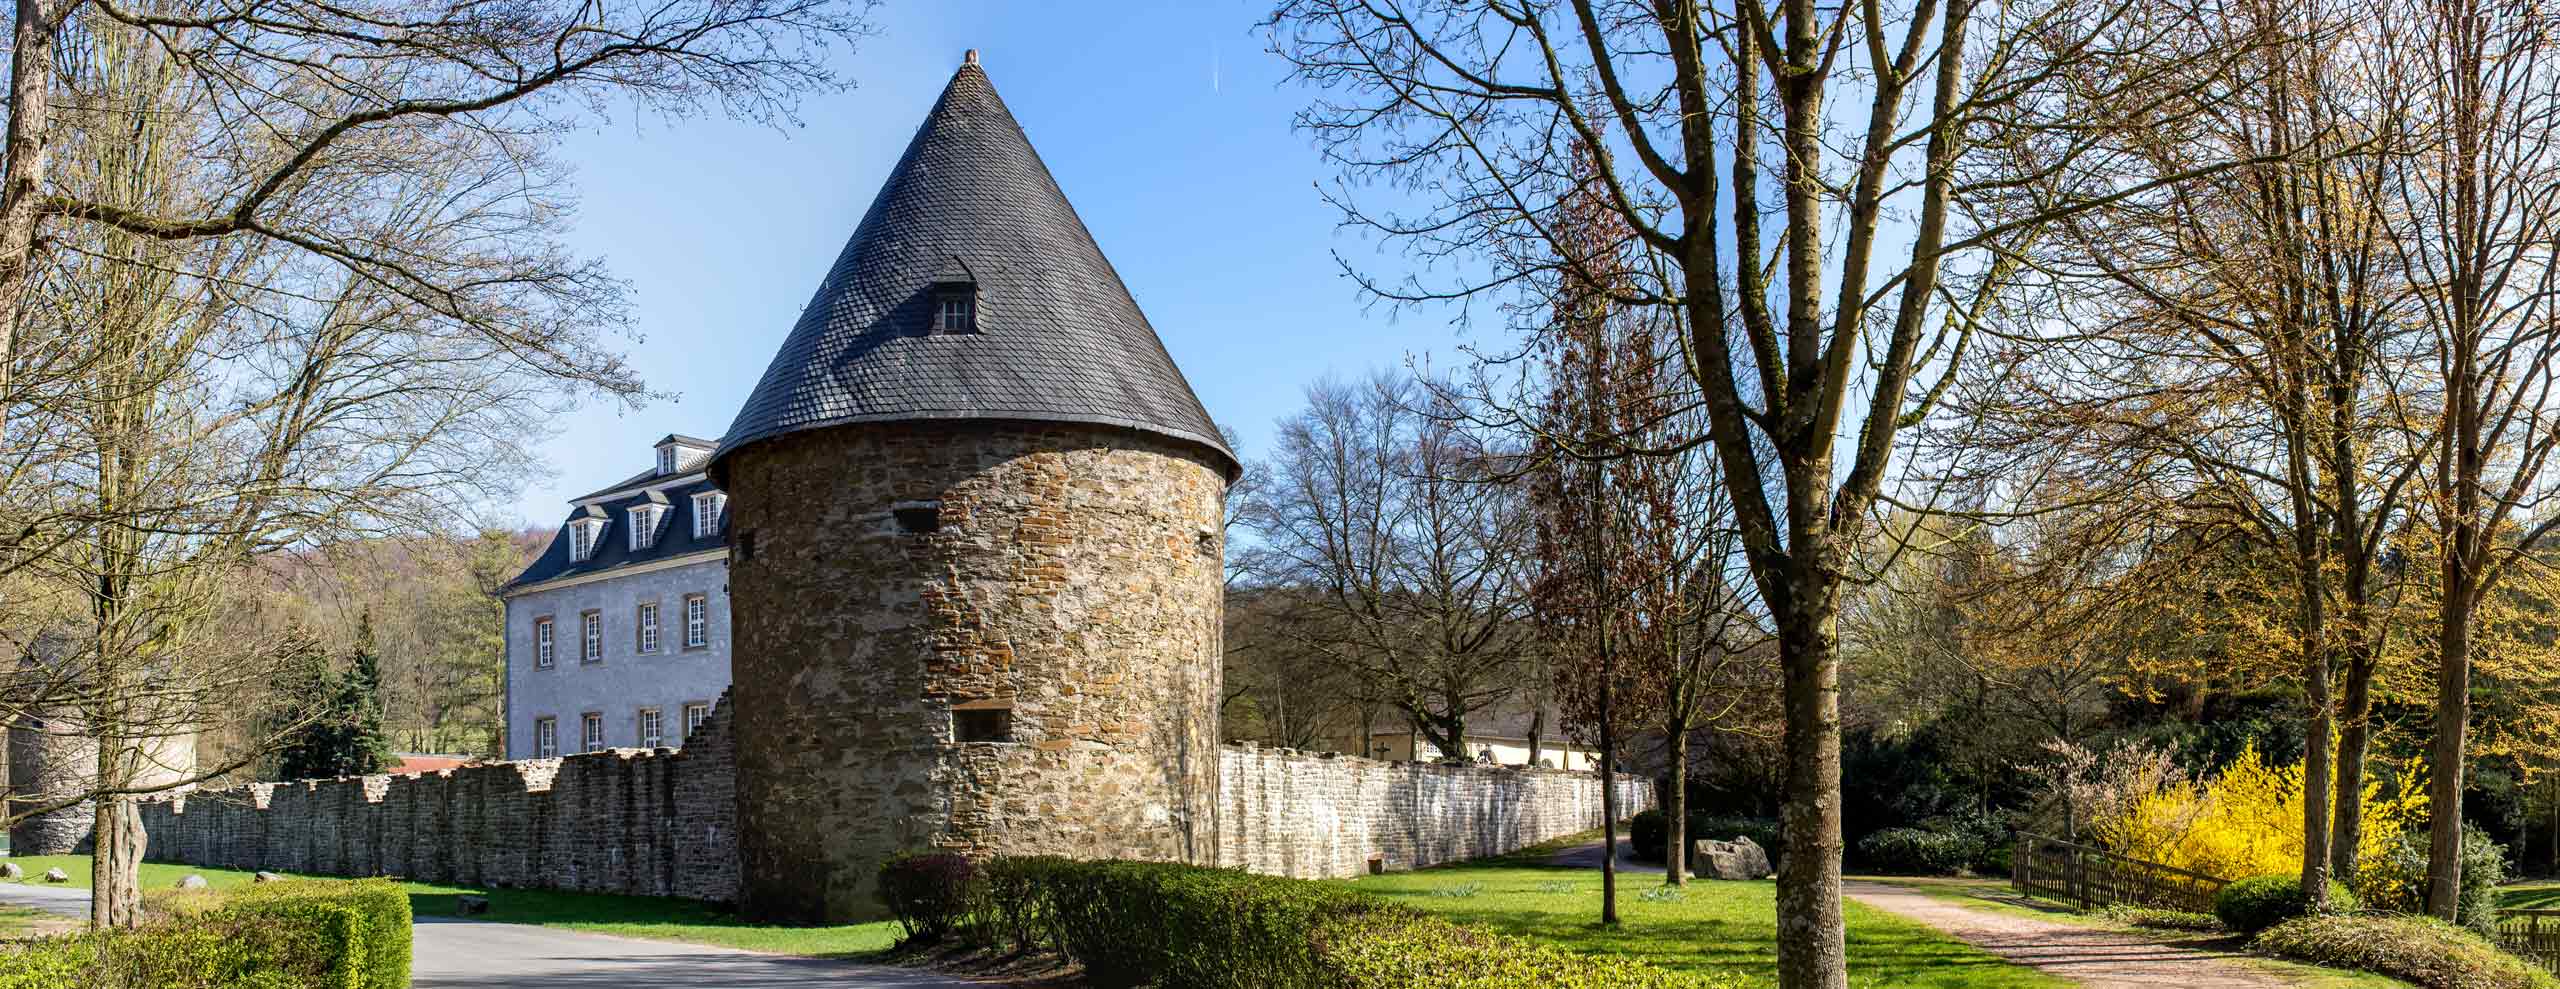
(629,916)
(2538,894)
(1713,928)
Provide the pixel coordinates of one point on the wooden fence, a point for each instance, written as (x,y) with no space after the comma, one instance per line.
(2533,935)
(2095,877)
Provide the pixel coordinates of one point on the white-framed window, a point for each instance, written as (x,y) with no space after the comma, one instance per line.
(706,513)
(667,459)
(583,535)
(644,525)
(648,628)
(694,715)
(591,639)
(546,737)
(591,731)
(697,621)
(653,731)
(957,313)
(546,651)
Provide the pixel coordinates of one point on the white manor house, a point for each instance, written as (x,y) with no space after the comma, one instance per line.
(618,634)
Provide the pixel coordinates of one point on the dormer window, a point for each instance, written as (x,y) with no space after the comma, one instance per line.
(955,313)
(666,459)
(583,535)
(706,514)
(955,299)
(644,525)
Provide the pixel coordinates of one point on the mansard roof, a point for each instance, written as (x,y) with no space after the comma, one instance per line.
(613,547)
(1056,335)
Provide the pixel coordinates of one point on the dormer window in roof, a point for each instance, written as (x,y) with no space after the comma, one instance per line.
(584,533)
(706,513)
(644,521)
(666,459)
(955,299)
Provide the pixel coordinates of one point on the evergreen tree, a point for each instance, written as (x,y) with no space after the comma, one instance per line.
(344,736)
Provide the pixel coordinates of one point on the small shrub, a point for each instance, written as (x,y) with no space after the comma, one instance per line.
(931,895)
(1663,894)
(1649,834)
(1013,898)
(2260,902)
(2157,919)
(2395,878)
(381,908)
(2422,950)
(1915,851)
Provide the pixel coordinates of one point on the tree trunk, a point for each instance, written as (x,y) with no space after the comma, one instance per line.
(30,116)
(2444,755)
(2315,748)
(2355,737)
(1608,781)
(1675,812)
(1812,949)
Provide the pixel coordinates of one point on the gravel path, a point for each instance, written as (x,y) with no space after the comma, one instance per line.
(2100,958)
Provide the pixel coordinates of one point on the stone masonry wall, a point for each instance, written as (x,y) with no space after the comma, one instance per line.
(910,579)
(1319,815)
(663,824)
(651,822)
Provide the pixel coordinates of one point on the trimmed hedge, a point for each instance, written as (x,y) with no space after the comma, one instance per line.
(2260,902)
(1168,926)
(2423,950)
(1918,851)
(932,895)
(303,934)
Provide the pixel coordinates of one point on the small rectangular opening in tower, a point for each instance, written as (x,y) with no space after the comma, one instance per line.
(982,724)
(918,516)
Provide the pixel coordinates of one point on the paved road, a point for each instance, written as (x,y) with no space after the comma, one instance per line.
(63,900)
(453,953)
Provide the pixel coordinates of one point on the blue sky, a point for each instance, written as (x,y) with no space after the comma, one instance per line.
(1165,122)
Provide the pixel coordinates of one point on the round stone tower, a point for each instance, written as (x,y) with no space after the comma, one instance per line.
(976,545)
(51,759)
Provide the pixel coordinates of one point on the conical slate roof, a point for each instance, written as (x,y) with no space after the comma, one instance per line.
(1057,337)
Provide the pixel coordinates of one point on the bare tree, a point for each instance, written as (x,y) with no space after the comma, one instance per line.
(1387,523)
(300,283)
(2474,220)
(1804,352)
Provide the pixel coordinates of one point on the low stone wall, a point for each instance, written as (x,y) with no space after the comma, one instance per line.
(651,822)
(1315,815)
(664,823)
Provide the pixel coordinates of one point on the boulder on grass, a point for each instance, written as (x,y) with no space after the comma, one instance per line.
(470,906)
(10,870)
(56,876)
(192,881)
(1740,858)
(265,877)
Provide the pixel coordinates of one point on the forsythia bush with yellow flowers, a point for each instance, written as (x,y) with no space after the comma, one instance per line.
(2245,822)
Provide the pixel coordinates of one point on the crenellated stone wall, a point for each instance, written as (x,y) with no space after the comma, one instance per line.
(663,823)
(651,822)
(1317,815)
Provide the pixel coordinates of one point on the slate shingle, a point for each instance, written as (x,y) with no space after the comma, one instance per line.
(1058,337)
